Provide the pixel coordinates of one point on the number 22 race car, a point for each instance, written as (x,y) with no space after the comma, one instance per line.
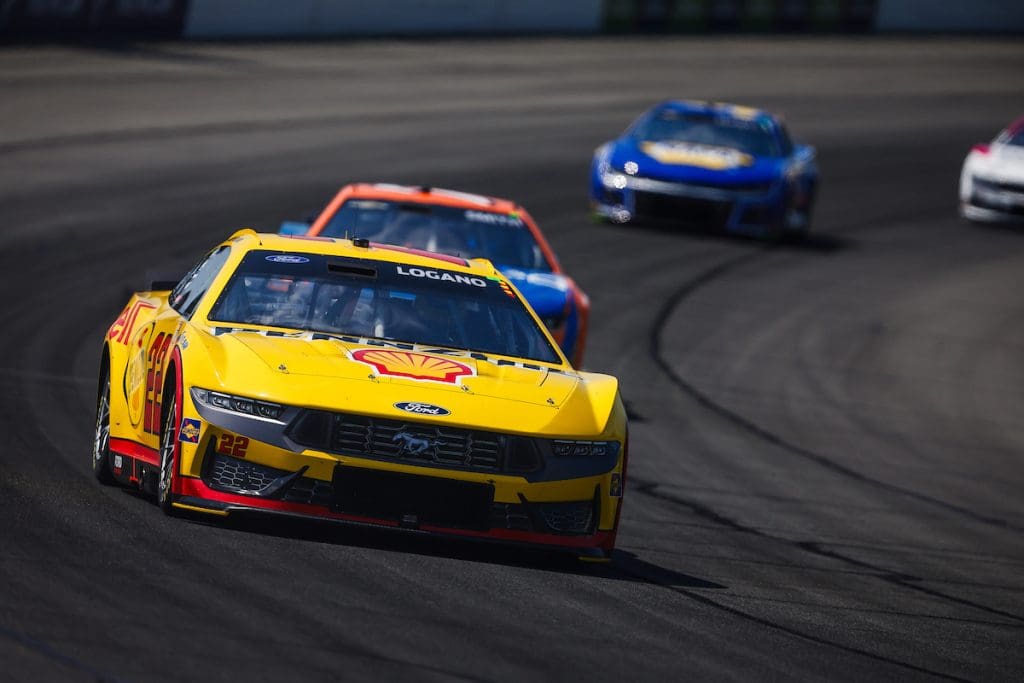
(361,383)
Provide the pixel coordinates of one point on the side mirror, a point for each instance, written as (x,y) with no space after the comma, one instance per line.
(294,228)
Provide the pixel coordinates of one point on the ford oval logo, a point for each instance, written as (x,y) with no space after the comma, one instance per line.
(287,258)
(422,408)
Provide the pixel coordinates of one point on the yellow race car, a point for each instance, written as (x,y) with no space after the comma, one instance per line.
(364,383)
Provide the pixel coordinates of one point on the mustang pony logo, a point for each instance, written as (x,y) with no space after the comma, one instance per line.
(413,365)
(414,445)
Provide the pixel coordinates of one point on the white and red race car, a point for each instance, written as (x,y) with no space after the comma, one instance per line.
(992,179)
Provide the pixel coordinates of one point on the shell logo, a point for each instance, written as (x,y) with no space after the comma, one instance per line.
(413,365)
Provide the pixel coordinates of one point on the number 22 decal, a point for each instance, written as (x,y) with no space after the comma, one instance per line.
(233,445)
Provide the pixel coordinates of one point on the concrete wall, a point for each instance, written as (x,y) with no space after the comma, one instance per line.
(280,18)
(950,16)
(72,19)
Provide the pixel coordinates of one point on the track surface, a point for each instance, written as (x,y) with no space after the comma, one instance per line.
(828,444)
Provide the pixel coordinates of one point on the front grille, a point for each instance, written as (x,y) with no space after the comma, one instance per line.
(310,491)
(985,203)
(1007,186)
(573,518)
(757,187)
(405,498)
(568,518)
(695,211)
(224,473)
(761,214)
(417,443)
(231,474)
(413,499)
(510,516)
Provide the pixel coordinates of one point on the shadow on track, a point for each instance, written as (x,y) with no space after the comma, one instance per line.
(1015,227)
(820,242)
(625,566)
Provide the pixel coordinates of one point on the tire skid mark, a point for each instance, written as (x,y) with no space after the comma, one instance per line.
(904,580)
(775,626)
(41,647)
(649,488)
(762,433)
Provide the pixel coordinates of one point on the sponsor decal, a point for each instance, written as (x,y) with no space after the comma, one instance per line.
(422,408)
(412,365)
(287,258)
(189,432)
(382,343)
(442,275)
(615,488)
(121,330)
(702,156)
(504,286)
(508,220)
(155,367)
(183,342)
(236,446)
(745,113)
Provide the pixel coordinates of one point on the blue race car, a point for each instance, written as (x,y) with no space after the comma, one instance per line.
(709,165)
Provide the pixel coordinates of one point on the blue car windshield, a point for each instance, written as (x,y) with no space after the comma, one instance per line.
(432,306)
(1014,138)
(503,238)
(752,136)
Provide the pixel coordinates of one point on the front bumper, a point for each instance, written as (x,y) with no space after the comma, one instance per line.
(577,514)
(621,198)
(194,496)
(994,202)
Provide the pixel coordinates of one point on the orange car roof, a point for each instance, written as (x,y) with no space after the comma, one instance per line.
(431,195)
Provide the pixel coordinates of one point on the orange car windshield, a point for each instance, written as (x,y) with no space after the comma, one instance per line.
(501,237)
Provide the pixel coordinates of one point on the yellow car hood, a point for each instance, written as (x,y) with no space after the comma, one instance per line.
(331,374)
(422,373)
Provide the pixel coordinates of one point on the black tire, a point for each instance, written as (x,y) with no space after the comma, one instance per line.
(101,436)
(168,455)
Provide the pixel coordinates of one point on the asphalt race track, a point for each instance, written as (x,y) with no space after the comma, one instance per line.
(827,455)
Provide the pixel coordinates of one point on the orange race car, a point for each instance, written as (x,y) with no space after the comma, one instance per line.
(469,226)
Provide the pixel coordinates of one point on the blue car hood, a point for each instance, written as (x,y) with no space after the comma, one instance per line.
(545,292)
(702,164)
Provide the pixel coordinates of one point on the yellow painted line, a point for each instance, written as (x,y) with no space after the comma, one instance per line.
(595,560)
(194,508)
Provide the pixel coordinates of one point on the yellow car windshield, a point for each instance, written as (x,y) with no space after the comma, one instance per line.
(383,300)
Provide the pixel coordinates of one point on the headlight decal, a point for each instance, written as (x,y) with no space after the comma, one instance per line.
(238,404)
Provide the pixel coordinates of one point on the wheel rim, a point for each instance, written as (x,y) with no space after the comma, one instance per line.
(167,454)
(101,439)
